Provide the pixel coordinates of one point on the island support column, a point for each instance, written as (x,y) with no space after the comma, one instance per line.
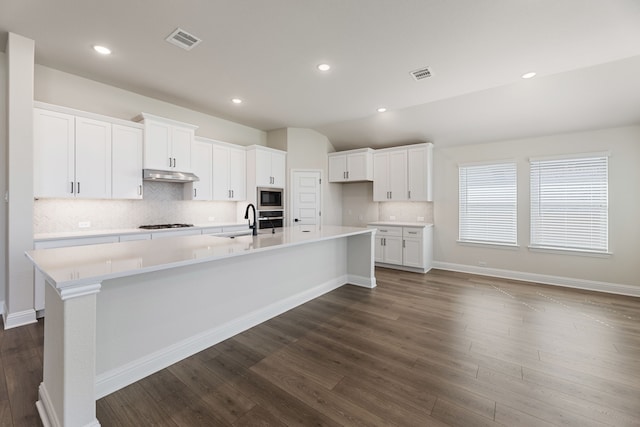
(67,393)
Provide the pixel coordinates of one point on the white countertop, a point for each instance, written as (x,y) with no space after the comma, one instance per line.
(401,224)
(85,265)
(41,237)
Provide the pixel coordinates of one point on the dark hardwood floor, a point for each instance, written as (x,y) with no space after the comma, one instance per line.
(441,349)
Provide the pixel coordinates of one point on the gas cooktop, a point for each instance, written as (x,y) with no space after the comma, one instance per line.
(160,226)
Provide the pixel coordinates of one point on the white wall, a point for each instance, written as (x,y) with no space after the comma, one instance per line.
(19,279)
(621,268)
(3,174)
(60,88)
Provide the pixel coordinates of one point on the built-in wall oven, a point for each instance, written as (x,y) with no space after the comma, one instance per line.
(270,219)
(270,198)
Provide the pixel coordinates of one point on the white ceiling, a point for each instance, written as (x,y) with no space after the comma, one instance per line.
(586,54)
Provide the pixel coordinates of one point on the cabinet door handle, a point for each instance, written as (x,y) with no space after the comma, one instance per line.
(409,194)
(403,244)
(170,162)
(140,190)
(195,192)
(71,187)
(78,187)
(347,174)
(233,194)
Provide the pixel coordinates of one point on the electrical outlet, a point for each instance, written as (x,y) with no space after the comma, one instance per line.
(420,219)
(84,224)
(392,217)
(212,218)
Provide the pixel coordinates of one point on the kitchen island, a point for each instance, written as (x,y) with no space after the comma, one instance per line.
(118,312)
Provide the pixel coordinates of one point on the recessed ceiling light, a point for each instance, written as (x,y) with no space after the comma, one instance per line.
(236,101)
(324,67)
(382,110)
(102,50)
(528,75)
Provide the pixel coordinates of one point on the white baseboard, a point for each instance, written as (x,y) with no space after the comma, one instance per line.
(569,282)
(20,318)
(365,282)
(45,408)
(115,379)
(403,267)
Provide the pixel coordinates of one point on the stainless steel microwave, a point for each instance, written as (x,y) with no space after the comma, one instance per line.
(270,198)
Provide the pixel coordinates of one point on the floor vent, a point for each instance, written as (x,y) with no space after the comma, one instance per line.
(421,73)
(183,39)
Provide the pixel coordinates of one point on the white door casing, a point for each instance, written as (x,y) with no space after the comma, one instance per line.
(306,197)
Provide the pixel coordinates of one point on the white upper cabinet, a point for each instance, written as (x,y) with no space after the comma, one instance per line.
(54,154)
(352,165)
(221,168)
(419,170)
(167,143)
(84,155)
(403,173)
(390,175)
(202,162)
(266,167)
(93,159)
(72,156)
(238,173)
(126,162)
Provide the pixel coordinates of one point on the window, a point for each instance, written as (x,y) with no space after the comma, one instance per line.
(569,203)
(488,203)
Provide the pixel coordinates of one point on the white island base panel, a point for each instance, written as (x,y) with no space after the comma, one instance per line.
(102,337)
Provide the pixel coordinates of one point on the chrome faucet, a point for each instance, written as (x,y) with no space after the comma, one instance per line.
(254,227)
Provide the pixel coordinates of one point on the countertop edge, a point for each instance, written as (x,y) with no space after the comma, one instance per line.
(68,284)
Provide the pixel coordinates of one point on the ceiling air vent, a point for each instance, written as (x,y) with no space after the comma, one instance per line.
(421,73)
(183,39)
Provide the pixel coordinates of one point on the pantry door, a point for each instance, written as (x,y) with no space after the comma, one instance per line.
(306,197)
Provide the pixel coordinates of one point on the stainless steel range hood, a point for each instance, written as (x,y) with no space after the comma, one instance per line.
(168,176)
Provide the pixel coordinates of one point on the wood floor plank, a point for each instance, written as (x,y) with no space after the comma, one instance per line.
(394,408)
(508,416)
(317,397)
(282,405)
(258,417)
(453,415)
(132,406)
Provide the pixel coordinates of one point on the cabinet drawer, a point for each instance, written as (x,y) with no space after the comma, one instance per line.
(389,231)
(415,232)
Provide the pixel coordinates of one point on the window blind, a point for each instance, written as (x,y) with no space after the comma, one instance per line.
(569,204)
(488,204)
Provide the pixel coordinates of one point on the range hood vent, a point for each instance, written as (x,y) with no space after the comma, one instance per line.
(168,176)
(183,39)
(421,73)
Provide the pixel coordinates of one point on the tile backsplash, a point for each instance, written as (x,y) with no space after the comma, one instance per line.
(163,203)
(359,209)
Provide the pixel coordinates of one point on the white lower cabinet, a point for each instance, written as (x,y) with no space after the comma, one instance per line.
(407,248)
(389,245)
